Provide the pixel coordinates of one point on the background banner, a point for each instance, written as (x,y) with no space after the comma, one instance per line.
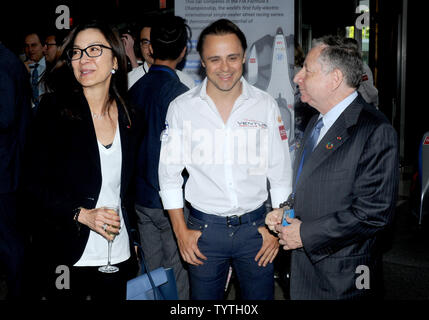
(269,29)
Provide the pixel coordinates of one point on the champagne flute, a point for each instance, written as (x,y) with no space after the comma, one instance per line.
(109,268)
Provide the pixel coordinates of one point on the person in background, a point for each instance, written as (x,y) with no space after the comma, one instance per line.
(81,161)
(15,115)
(139,71)
(345,182)
(366,88)
(55,75)
(36,64)
(53,42)
(151,96)
(230,138)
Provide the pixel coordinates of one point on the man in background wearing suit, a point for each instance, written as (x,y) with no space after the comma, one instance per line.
(345,181)
(15,112)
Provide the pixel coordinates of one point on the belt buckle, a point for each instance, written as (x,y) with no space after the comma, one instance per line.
(233,220)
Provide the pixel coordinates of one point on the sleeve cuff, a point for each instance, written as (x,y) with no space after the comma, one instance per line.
(279,195)
(172,199)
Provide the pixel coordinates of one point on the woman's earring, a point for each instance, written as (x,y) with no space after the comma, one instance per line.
(113,71)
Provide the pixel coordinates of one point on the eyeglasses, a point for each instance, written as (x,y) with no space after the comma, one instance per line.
(92,51)
(144,42)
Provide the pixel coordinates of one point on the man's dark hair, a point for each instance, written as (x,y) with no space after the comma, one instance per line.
(221,27)
(59,35)
(38,33)
(148,21)
(168,36)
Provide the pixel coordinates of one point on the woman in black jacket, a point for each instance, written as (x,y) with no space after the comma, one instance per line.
(82,161)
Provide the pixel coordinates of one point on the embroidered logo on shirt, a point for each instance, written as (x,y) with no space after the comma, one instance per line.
(283,134)
(246,123)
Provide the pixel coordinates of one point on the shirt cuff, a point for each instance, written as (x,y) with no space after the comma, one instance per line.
(172,199)
(279,195)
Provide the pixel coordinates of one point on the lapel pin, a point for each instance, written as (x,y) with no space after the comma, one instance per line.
(329,146)
(338,138)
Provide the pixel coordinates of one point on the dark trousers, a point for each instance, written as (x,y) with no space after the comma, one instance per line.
(160,247)
(230,241)
(11,245)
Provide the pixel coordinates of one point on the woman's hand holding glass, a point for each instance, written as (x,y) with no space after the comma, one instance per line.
(104,221)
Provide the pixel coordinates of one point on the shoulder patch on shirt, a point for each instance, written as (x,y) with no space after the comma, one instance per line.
(282,131)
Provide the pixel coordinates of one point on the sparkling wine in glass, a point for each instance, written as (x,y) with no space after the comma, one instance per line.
(109,268)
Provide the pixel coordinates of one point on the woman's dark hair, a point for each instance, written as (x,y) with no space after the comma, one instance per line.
(119,81)
(221,27)
(168,36)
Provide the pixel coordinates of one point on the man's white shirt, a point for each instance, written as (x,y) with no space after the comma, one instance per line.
(228,163)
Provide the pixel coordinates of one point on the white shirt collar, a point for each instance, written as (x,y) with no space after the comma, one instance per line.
(332,115)
(42,63)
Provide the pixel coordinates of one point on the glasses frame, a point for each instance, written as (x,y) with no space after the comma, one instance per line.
(70,54)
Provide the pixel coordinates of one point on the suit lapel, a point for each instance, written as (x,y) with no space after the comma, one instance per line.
(336,136)
(88,133)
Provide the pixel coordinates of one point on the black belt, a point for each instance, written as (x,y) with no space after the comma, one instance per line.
(230,220)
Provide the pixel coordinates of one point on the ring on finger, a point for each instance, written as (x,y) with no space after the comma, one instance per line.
(104,227)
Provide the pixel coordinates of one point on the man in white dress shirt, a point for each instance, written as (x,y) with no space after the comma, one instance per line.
(231,139)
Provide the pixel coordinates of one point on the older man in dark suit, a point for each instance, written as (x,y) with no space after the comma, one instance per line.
(345,181)
(15,110)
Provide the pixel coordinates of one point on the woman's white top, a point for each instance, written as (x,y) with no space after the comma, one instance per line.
(95,253)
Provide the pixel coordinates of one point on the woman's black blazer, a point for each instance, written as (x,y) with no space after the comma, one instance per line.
(63,173)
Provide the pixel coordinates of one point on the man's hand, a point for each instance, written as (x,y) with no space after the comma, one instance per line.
(274,218)
(269,249)
(128,42)
(27,65)
(187,241)
(290,237)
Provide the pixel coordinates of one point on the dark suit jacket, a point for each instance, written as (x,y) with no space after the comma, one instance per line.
(15,112)
(344,197)
(64,172)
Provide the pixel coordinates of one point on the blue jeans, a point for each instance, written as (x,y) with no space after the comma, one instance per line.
(233,241)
